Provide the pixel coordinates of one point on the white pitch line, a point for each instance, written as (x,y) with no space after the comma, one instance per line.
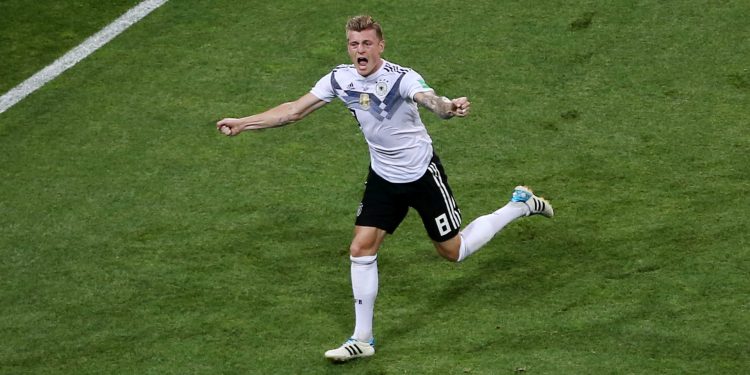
(78,53)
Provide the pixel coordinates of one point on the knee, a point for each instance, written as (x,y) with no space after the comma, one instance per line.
(363,248)
(451,256)
(366,241)
(449,250)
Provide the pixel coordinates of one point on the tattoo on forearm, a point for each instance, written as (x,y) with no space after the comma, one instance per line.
(441,106)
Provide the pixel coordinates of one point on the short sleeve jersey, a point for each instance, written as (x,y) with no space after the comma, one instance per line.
(383,105)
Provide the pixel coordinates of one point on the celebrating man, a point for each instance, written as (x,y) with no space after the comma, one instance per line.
(404,171)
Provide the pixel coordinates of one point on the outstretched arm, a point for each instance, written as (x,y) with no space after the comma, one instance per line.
(277,116)
(443,107)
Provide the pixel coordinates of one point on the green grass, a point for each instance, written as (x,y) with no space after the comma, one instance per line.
(34,35)
(137,240)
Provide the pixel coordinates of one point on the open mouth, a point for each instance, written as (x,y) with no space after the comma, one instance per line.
(362,61)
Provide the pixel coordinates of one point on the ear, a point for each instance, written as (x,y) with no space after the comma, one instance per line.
(381,44)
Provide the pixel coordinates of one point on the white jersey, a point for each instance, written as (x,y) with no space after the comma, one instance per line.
(383,105)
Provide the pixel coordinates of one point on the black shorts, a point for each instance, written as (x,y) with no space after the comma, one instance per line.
(385,203)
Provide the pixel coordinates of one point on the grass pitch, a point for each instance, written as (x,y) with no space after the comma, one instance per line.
(137,240)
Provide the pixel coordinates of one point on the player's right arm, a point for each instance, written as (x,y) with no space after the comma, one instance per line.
(280,115)
(444,107)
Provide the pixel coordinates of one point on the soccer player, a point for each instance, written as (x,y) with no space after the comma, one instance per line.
(404,170)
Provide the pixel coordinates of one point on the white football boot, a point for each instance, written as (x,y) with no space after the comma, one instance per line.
(351,349)
(536,205)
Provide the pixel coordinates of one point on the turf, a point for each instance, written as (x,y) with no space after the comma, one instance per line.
(137,240)
(34,35)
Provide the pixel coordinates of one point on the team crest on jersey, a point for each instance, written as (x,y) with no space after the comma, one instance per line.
(364,101)
(381,88)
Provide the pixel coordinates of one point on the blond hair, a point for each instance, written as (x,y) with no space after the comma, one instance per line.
(364,22)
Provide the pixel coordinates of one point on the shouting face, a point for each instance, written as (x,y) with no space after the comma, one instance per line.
(364,49)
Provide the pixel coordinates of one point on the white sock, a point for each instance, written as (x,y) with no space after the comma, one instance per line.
(482,229)
(365,289)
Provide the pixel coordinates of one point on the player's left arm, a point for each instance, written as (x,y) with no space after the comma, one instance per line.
(443,107)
